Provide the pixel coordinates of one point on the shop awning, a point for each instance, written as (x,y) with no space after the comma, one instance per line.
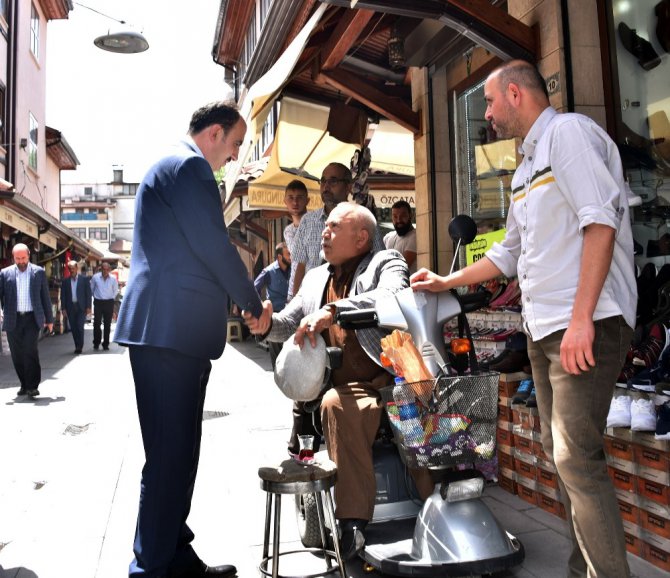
(301,149)
(261,96)
(392,149)
(38,224)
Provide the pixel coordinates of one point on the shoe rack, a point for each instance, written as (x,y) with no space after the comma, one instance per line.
(490,329)
(638,464)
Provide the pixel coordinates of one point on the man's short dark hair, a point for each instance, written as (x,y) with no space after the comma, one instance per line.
(402,205)
(524,74)
(224,113)
(297,185)
(279,249)
(345,171)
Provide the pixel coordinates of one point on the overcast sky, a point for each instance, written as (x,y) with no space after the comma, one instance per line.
(124,109)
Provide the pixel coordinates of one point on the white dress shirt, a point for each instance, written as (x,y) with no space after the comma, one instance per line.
(571,177)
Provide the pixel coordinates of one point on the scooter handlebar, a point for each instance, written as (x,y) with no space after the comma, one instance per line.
(359,319)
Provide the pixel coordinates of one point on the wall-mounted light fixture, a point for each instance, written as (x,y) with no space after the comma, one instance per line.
(121,42)
(23,143)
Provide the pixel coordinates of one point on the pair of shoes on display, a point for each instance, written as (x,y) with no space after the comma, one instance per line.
(639,47)
(352,537)
(509,297)
(663,421)
(510,361)
(647,379)
(637,414)
(524,392)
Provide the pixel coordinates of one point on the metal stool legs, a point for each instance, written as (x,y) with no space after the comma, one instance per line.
(274,518)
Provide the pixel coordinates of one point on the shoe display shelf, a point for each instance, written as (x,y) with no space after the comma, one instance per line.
(639,466)
(524,469)
(489,328)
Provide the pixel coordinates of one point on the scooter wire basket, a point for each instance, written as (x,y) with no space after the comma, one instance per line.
(446,421)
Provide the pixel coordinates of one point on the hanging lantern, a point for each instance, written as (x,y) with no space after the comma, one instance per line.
(396,46)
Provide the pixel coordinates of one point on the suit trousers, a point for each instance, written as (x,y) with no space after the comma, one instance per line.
(77,318)
(170,390)
(573,411)
(103,311)
(25,355)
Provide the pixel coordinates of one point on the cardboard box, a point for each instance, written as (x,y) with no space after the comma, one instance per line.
(526,494)
(653,491)
(653,474)
(547,478)
(649,440)
(505,460)
(549,504)
(507,388)
(629,512)
(505,412)
(622,480)
(656,551)
(652,457)
(619,448)
(507,484)
(655,524)
(523,440)
(523,468)
(504,437)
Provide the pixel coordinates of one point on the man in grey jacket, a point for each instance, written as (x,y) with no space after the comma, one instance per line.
(354,277)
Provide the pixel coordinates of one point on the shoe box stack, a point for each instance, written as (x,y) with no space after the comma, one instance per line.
(639,465)
(524,469)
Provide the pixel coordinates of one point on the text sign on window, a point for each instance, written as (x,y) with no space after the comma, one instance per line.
(482,243)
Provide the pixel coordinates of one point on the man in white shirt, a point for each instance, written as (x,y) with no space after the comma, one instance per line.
(403,239)
(569,240)
(105,288)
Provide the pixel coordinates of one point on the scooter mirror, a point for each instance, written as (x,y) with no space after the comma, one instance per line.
(462,228)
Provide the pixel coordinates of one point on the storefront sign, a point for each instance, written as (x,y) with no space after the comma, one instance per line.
(385,199)
(19,222)
(49,239)
(268,198)
(482,243)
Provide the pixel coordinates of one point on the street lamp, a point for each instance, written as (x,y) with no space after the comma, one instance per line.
(122,42)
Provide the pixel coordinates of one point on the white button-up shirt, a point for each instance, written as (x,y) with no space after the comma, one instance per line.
(571,177)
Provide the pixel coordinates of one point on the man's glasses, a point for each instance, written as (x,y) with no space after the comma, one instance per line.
(332,181)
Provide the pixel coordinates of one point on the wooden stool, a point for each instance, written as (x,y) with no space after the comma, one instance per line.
(234,332)
(290,477)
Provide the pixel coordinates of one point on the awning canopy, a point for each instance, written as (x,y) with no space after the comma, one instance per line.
(261,96)
(392,149)
(301,149)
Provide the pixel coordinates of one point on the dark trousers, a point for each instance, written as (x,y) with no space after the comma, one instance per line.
(25,356)
(170,391)
(76,319)
(104,309)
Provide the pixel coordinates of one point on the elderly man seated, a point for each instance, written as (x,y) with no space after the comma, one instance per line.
(354,277)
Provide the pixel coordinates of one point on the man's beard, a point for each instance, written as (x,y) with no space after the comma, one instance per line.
(22,267)
(402,230)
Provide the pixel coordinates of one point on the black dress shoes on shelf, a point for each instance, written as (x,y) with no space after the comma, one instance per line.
(639,47)
(201,570)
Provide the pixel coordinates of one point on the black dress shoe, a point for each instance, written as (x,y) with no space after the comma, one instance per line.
(639,47)
(22,391)
(33,392)
(353,538)
(105,347)
(201,570)
(96,347)
(77,351)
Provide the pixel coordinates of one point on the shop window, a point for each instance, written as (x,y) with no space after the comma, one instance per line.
(484,165)
(641,66)
(79,231)
(32,142)
(34,31)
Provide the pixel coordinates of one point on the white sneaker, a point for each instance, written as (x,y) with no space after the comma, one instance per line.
(619,414)
(643,415)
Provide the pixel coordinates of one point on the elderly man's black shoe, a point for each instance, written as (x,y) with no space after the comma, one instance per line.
(203,571)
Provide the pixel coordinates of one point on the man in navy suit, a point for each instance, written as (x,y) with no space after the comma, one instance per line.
(75,302)
(26,307)
(174,319)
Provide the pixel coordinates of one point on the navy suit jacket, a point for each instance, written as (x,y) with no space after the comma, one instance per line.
(183,266)
(39,296)
(83,294)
